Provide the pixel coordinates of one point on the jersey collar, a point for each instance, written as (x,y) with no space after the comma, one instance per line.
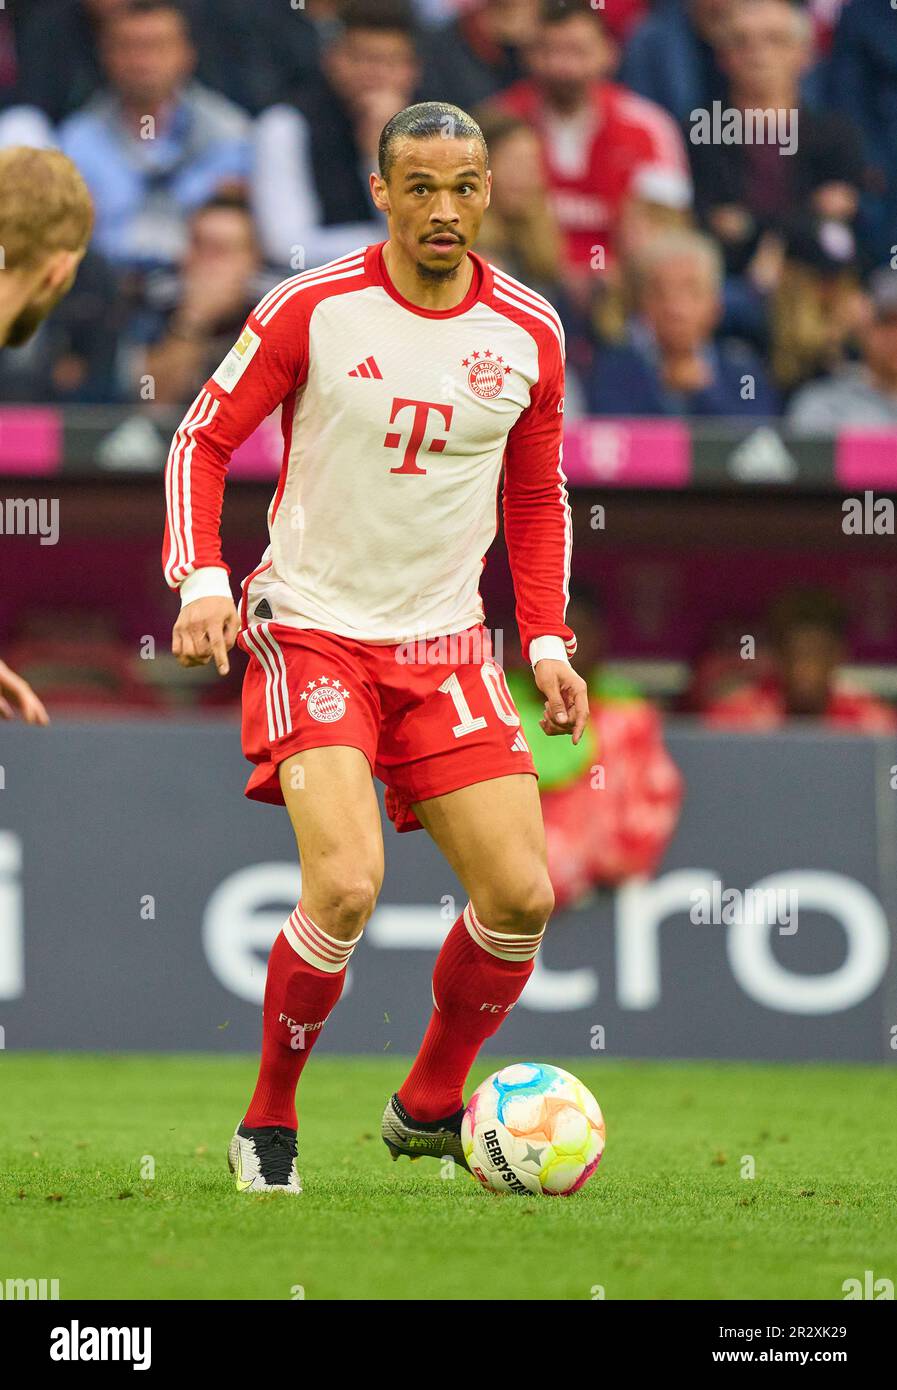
(480,285)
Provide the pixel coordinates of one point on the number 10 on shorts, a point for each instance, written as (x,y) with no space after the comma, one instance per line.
(496,687)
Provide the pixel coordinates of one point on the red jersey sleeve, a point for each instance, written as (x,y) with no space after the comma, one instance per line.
(265,367)
(537,520)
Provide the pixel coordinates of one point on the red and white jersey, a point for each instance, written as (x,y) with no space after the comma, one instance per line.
(396,423)
(594,160)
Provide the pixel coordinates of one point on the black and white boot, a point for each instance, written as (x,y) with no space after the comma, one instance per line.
(264,1160)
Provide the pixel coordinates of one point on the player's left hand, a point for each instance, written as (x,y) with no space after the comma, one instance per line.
(566,698)
(17,697)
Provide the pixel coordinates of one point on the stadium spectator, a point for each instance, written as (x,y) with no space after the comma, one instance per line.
(817,308)
(314,152)
(596,136)
(247,52)
(480,52)
(520,232)
(59,60)
(154,144)
(670,364)
(807,629)
(658,203)
(671,57)
(862,83)
(863,395)
(252,52)
(196,315)
(749,192)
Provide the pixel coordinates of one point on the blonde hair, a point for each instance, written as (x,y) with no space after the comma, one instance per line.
(44,206)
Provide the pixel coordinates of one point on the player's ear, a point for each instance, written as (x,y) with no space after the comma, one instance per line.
(379,193)
(62,267)
(488,188)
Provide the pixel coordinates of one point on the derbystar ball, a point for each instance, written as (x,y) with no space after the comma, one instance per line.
(533,1128)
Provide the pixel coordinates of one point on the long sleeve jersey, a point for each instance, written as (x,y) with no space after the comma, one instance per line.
(398,424)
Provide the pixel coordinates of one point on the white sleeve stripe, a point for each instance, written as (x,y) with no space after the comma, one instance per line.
(175,549)
(531,309)
(307,277)
(186,485)
(568,528)
(178,548)
(524,291)
(306,285)
(528,296)
(352,258)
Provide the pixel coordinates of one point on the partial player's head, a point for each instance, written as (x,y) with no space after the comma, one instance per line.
(46,218)
(433,184)
(807,628)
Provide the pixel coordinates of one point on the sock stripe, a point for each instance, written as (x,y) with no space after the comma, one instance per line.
(329,943)
(500,944)
(316,946)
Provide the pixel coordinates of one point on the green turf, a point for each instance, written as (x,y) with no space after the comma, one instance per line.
(668,1214)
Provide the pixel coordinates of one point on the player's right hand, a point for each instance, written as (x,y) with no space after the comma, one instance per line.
(205,631)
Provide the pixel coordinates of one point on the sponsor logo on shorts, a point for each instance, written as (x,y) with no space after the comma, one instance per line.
(325,699)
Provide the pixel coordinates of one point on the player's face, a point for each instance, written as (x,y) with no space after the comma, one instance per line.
(435,198)
(53,286)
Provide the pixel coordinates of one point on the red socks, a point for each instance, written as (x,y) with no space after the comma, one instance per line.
(479,977)
(306,971)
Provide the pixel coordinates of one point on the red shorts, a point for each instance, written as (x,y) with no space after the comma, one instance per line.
(306,688)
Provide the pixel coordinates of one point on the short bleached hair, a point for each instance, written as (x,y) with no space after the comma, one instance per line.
(44,206)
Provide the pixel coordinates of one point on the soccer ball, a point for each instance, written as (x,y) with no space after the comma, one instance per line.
(533,1128)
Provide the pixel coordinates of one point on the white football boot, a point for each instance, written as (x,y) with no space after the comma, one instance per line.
(264,1160)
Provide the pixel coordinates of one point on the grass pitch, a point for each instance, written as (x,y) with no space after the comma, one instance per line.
(667,1216)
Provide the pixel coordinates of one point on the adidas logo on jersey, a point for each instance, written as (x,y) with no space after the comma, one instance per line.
(367,368)
(520,744)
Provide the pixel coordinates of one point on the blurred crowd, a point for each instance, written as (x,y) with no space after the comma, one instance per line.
(699,271)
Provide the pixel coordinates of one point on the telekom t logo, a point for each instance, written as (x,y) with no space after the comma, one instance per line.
(418,431)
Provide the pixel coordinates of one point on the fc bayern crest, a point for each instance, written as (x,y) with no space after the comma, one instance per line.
(486,375)
(325,700)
